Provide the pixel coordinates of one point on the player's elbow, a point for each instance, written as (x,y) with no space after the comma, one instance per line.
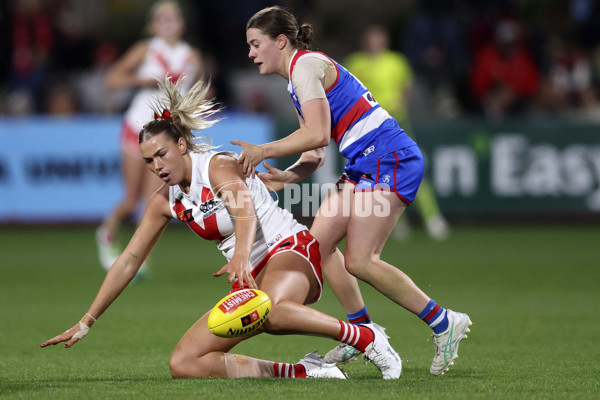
(319,156)
(314,157)
(322,140)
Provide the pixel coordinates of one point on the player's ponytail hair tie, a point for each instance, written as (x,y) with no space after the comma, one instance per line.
(299,31)
(178,115)
(166,114)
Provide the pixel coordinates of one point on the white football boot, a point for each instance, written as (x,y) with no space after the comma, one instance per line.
(316,367)
(108,250)
(437,228)
(383,355)
(446,343)
(344,353)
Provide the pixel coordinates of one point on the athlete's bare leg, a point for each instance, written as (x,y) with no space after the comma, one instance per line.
(137,180)
(366,235)
(289,282)
(329,228)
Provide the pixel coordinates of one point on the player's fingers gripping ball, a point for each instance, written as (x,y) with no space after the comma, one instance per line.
(239,313)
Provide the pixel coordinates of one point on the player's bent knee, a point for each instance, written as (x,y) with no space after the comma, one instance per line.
(177,366)
(356,265)
(183,366)
(274,322)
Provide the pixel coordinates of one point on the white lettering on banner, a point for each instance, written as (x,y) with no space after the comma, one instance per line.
(542,175)
(544,170)
(69,169)
(455,170)
(593,200)
(579,178)
(505,165)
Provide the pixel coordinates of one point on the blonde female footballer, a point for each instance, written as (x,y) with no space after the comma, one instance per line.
(264,245)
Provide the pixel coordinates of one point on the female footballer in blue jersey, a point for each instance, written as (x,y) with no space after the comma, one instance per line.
(380,180)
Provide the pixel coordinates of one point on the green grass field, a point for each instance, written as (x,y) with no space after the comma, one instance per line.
(532,293)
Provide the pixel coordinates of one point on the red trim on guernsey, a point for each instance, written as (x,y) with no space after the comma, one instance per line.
(206,194)
(294,59)
(163,62)
(395,170)
(303,52)
(353,115)
(345,178)
(432,313)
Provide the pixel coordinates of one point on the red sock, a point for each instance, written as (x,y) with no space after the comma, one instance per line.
(286,370)
(357,336)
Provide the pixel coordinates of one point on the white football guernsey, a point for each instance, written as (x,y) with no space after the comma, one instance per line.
(208,217)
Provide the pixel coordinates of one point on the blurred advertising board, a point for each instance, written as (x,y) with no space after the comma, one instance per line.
(537,168)
(55,170)
(542,167)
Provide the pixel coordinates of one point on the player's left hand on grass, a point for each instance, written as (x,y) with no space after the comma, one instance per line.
(70,336)
(239,271)
(250,156)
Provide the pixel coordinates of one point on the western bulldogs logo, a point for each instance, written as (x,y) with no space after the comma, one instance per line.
(369,97)
(369,150)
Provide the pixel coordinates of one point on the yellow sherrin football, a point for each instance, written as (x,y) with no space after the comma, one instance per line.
(239,313)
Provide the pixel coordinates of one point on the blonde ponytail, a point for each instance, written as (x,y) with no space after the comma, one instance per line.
(184,113)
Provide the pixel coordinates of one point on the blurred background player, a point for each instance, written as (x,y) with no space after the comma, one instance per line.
(165,53)
(389,77)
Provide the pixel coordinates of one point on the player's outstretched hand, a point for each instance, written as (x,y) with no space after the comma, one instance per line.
(274,179)
(250,156)
(239,271)
(70,336)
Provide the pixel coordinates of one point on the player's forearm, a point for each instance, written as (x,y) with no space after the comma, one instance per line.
(115,282)
(308,163)
(245,232)
(300,141)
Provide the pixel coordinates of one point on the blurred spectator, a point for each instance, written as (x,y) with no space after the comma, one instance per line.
(389,77)
(31,41)
(4,43)
(385,72)
(77,23)
(434,43)
(60,99)
(586,13)
(95,96)
(504,76)
(569,77)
